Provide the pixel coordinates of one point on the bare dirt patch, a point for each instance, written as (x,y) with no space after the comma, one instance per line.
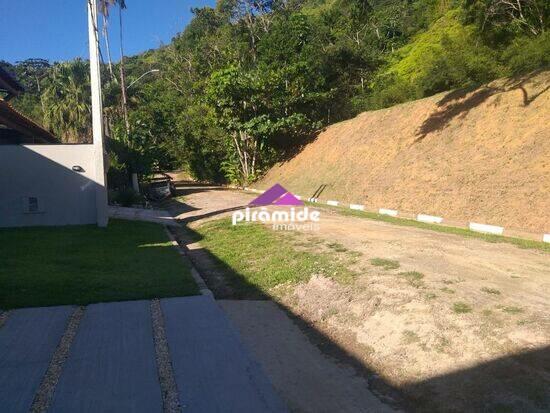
(429,308)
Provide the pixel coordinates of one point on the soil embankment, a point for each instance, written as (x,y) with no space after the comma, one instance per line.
(481,155)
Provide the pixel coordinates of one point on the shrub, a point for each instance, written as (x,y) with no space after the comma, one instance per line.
(125,197)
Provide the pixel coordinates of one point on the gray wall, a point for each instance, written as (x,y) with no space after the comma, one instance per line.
(45,172)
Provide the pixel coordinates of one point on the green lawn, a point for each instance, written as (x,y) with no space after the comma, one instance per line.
(255,258)
(46,266)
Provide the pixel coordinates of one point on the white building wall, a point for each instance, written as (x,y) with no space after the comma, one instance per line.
(45,172)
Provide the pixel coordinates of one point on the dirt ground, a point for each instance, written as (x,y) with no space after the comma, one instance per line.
(456,324)
(480,155)
(308,380)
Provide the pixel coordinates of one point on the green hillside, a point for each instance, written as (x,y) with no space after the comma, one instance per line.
(246,83)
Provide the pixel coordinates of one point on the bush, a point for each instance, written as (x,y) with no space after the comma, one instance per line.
(125,197)
(448,55)
(526,54)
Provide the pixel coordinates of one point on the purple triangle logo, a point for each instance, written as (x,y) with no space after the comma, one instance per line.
(276,195)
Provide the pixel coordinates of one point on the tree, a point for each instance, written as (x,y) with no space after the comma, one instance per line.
(66,101)
(122,6)
(104,6)
(529,16)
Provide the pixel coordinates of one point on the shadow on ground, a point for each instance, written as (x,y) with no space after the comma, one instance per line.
(511,384)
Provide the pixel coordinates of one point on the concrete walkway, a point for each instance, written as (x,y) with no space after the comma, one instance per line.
(158,216)
(115,361)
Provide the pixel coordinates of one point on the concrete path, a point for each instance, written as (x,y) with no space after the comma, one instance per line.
(111,366)
(149,215)
(28,340)
(225,377)
(113,362)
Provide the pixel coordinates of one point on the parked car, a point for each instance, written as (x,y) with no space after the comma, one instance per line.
(160,187)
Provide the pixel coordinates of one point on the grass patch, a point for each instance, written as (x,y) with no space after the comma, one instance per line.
(512,309)
(336,246)
(255,258)
(414,278)
(461,308)
(386,264)
(520,242)
(410,337)
(488,290)
(45,266)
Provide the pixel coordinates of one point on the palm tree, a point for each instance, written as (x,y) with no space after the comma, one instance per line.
(122,6)
(104,6)
(66,101)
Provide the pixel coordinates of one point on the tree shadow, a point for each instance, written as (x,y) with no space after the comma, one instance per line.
(494,386)
(459,102)
(513,383)
(290,147)
(178,207)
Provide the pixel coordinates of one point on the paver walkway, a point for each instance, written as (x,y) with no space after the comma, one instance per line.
(112,367)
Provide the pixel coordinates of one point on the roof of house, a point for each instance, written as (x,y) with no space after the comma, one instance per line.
(9,84)
(16,128)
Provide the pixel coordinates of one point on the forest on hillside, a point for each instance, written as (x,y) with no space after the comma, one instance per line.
(249,81)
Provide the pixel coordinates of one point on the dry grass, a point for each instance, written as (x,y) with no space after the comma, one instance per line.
(486,163)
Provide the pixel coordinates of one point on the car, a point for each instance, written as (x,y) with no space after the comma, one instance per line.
(160,187)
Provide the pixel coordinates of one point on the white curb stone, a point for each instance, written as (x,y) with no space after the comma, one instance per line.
(390,212)
(488,229)
(430,219)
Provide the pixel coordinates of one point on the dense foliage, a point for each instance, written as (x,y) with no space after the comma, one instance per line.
(246,82)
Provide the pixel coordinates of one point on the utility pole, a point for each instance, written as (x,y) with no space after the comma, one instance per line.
(97,117)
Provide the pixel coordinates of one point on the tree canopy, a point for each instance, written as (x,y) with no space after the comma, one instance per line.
(246,82)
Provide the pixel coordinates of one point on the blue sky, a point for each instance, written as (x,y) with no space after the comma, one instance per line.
(57,29)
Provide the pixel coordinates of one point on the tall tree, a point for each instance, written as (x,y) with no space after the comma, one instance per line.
(122,6)
(104,6)
(66,101)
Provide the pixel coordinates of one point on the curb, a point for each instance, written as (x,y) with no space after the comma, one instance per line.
(390,212)
(203,288)
(432,219)
(487,229)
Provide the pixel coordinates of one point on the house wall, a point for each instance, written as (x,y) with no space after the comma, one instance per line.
(65,197)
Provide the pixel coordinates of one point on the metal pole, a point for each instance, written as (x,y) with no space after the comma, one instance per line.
(97,116)
(143,75)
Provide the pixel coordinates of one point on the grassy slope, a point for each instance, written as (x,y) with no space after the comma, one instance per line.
(87,264)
